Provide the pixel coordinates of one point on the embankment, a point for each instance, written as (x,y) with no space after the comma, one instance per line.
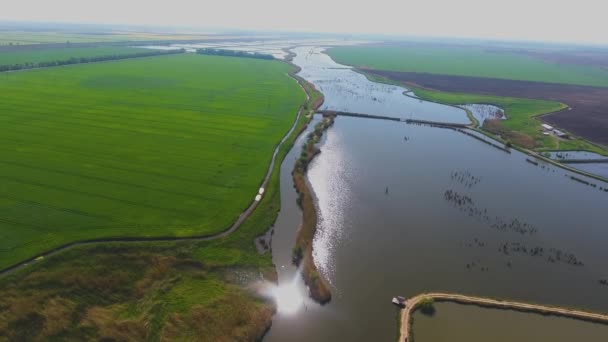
(302,252)
(414,303)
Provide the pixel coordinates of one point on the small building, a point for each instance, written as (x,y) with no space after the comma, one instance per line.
(560,133)
(547,127)
(399,301)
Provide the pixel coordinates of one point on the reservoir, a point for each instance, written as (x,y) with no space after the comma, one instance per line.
(405,209)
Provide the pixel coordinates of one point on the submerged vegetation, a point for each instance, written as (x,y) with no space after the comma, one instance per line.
(427,306)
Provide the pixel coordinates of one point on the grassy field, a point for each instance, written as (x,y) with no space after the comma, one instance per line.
(19,37)
(59,54)
(469,61)
(521,126)
(148,291)
(161,146)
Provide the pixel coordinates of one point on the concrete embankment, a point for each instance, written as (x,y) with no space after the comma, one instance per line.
(413,303)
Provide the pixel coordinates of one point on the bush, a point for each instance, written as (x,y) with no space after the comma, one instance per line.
(427,306)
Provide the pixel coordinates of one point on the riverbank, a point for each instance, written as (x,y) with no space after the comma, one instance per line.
(303,250)
(414,303)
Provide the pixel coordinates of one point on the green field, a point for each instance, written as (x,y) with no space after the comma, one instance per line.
(469,61)
(60,54)
(161,146)
(46,36)
(17,37)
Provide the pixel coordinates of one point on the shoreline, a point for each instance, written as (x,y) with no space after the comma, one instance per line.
(475,126)
(302,252)
(413,304)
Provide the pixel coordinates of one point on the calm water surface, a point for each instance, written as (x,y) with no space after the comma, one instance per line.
(458,215)
(454,322)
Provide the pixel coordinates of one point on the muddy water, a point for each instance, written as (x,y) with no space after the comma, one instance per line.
(453,322)
(436,211)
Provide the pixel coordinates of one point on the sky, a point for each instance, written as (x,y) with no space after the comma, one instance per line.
(581,21)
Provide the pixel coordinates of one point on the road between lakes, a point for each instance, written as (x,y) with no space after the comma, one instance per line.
(412,304)
(239,221)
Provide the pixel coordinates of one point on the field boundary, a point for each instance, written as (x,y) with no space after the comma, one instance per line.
(94,60)
(413,303)
(240,220)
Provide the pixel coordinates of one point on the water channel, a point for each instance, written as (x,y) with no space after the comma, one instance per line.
(406,209)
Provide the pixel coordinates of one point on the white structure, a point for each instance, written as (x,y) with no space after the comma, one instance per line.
(547,127)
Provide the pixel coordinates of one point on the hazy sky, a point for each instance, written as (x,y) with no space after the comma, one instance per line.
(553,20)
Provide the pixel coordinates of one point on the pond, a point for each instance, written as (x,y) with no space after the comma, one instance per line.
(454,322)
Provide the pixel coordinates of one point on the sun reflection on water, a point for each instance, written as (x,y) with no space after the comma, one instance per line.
(288,298)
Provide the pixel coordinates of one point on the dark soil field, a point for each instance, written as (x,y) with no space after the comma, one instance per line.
(587,116)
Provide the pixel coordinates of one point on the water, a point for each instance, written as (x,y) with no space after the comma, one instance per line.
(575,155)
(454,322)
(348,91)
(483,112)
(457,217)
(600,169)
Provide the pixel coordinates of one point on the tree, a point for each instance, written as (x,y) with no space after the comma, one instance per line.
(426,306)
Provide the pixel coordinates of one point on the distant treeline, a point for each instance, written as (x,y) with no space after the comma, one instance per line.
(232,53)
(78,60)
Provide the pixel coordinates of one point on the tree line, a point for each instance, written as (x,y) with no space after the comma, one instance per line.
(78,60)
(232,53)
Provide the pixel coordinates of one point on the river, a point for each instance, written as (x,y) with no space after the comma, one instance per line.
(406,209)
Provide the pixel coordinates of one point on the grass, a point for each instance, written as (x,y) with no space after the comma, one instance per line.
(161,146)
(521,127)
(468,61)
(60,54)
(44,36)
(153,291)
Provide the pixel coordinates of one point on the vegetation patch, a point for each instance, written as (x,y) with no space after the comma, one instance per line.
(154,291)
(472,61)
(168,146)
(181,290)
(302,252)
(521,127)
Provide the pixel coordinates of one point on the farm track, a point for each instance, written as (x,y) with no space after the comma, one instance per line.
(240,220)
(412,304)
